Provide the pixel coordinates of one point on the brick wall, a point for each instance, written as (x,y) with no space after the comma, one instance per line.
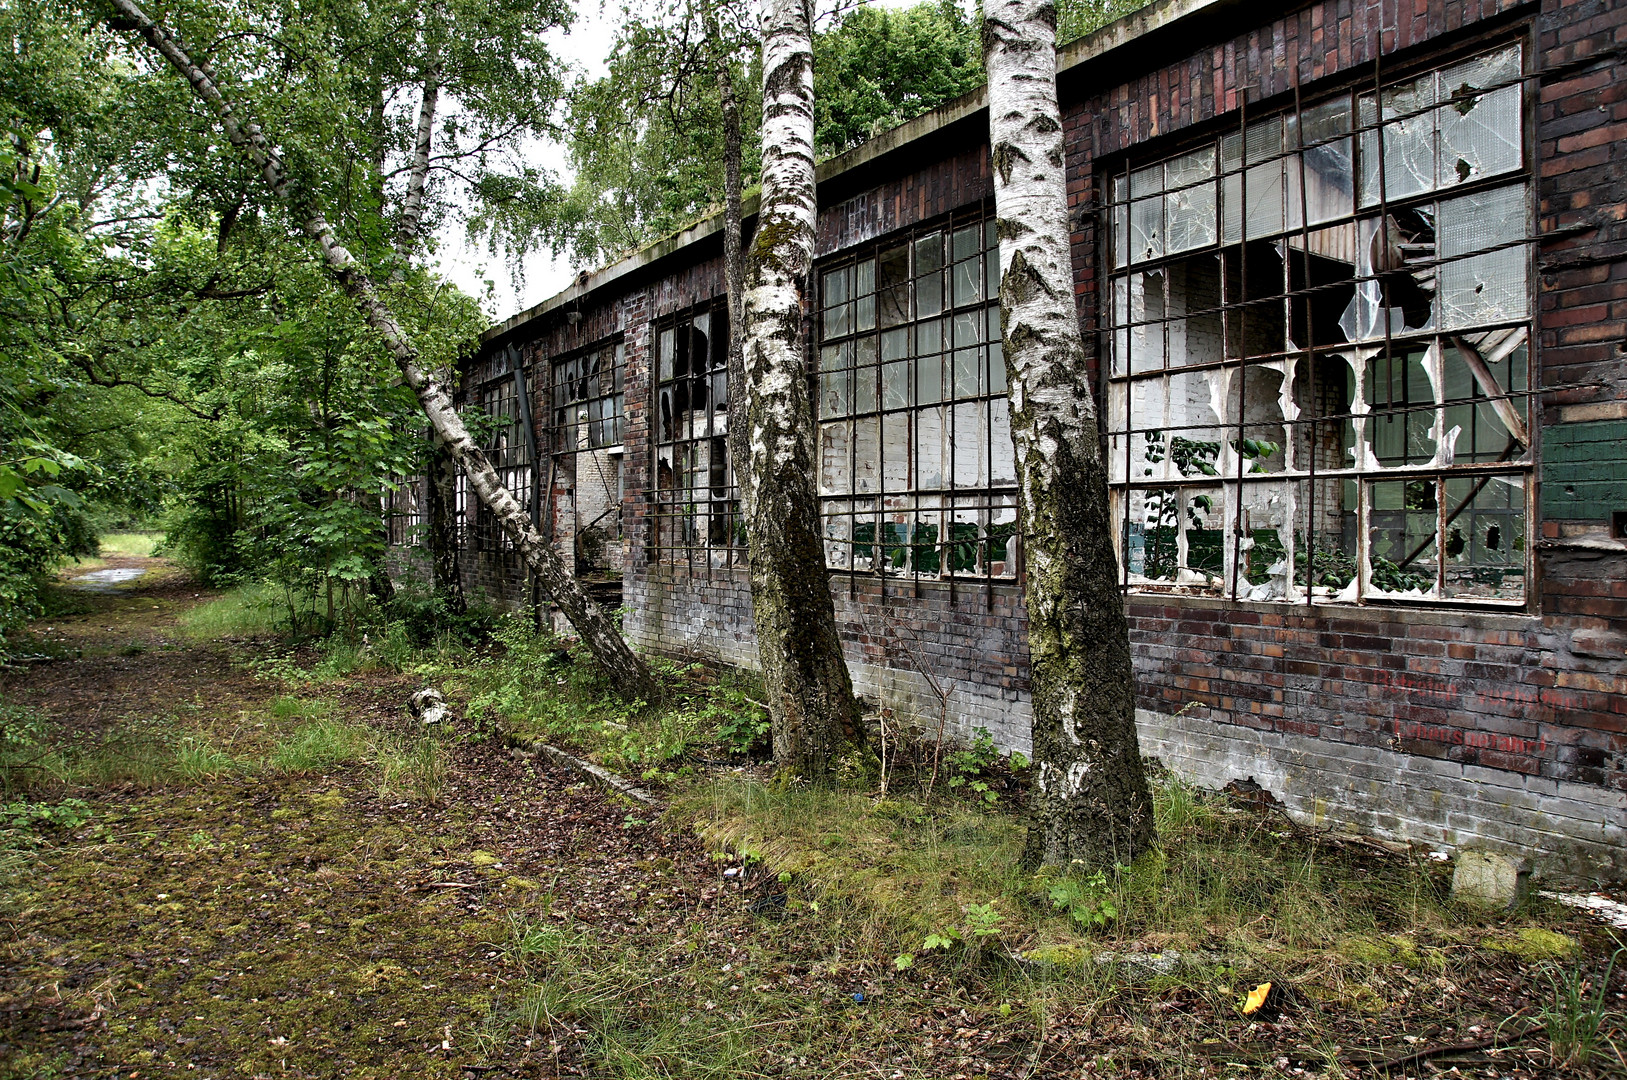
(1441,726)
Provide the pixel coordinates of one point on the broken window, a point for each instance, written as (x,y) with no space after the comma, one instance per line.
(916,472)
(500,426)
(696,511)
(585,477)
(1318,361)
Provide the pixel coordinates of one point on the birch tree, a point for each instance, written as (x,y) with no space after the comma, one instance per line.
(816,726)
(1091,804)
(599,633)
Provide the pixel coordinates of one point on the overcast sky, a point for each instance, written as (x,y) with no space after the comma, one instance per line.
(585,47)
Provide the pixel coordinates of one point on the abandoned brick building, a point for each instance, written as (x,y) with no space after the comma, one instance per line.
(1354,277)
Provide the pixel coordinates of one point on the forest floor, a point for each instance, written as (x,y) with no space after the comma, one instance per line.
(217,861)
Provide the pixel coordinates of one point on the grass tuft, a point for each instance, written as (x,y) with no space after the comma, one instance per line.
(321,744)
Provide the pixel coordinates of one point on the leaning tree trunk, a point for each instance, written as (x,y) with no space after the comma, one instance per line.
(1091,802)
(817,732)
(627,672)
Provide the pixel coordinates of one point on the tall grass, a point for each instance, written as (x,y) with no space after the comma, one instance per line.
(320,744)
(245,612)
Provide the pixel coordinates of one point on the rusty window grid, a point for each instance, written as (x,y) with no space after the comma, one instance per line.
(694,502)
(404,511)
(1464,365)
(586,400)
(916,471)
(507,449)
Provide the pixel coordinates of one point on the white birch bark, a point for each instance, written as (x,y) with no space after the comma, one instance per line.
(412,205)
(816,726)
(628,673)
(1091,802)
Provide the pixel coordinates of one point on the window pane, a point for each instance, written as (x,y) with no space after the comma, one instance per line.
(1485,538)
(835,446)
(1489,287)
(1480,130)
(1404,517)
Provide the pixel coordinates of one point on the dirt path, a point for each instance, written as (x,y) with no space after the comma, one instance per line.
(265,923)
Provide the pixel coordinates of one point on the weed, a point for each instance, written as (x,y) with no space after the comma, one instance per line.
(1577,1022)
(1085,900)
(970,765)
(319,744)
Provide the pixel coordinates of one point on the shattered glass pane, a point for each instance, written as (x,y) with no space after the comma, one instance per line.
(895,452)
(864,389)
(835,393)
(1481,117)
(1408,150)
(895,385)
(1001,542)
(1266,542)
(1189,206)
(968,282)
(835,445)
(1002,458)
(1485,538)
(1146,229)
(1403,522)
(1490,287)
(838,534)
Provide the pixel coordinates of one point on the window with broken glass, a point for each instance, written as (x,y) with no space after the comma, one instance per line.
(696,508)
(1319,343)
(917,476)
(586,396)
(403,511)
(502,432)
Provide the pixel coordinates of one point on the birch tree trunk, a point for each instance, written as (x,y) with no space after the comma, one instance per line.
(1091,803)
(817,732)
(626,671)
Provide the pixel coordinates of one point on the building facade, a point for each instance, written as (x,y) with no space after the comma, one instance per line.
(1354,278)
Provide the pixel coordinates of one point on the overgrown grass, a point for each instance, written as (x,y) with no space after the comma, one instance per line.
(323,743)
(412,767)
(1228,885)
(136,544)
(534,687)
(249,611)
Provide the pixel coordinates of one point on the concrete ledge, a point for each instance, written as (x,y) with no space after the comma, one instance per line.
(1569,831)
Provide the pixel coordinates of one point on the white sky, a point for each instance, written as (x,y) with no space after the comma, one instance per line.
(472,268)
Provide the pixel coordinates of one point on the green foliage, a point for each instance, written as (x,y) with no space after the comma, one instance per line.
(969,767)
(879,67)
(321,744)
(1086,900)
(29,824)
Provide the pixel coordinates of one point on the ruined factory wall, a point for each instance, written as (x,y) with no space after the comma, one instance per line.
(1366,414)
(1502,728)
